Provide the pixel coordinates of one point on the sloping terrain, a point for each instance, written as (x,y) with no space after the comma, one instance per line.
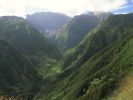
(18,76)
(125,91)
(71,34)
(94,68)
(20,67)
(78,27)
(99,67)
(112,30)
(19,33)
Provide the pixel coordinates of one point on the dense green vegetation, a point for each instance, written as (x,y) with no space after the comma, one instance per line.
(97,76)
(74,32)
(20,67)
(31,67)
(71,34)
(19,33)
(18,76)
(94,68)
(112,30)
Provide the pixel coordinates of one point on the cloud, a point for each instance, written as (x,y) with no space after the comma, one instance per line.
(69,7)
(12,7)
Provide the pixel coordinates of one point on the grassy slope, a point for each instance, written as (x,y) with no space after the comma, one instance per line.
(125,91)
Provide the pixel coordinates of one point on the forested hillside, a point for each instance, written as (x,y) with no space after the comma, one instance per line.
(19,33)
(73,33)
(18,75)
(24,54)
(97,63)
(94,68)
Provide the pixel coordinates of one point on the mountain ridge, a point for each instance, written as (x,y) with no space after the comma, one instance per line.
(77,28)
(94,72)
(47,22)
(19,33)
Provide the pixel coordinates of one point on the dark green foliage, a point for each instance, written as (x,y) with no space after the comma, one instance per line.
(76,30)
(90,71)
(99,75)
(19,67)
(101,37)
(19,33)
(94,68)
(18,76)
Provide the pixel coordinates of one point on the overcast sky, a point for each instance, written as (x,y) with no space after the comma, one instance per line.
(69,7)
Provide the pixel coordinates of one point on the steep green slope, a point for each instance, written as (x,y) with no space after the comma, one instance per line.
(125,91)
(18,76)
(78,27)
(112,30)
(71,34)
(96,66)
(19,33)
(99,75)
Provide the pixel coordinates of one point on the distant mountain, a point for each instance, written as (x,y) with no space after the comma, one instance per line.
(19,33)
(94,68)
(47,22)
(73,33)
(18,76)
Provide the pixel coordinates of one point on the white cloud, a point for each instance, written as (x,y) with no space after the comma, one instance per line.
(69,7)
